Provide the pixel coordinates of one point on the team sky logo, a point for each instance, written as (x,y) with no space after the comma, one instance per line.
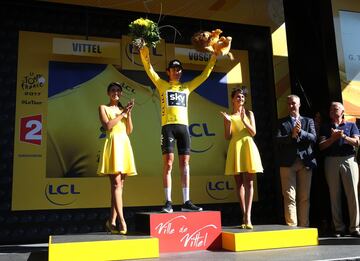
(175,98)
(61,194)
(219,189)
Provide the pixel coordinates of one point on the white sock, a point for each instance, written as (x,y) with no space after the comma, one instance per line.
(186,194)
(167,194)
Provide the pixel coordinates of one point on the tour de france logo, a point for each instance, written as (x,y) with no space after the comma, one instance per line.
(33,83)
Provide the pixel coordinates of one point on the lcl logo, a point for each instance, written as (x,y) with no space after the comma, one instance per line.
(130,52)
(62,189)
(219,190)
(61,195)
(198,130)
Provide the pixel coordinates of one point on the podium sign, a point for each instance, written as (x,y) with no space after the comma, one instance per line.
(183,231)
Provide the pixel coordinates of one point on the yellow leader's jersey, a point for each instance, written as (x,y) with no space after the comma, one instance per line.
(174,95)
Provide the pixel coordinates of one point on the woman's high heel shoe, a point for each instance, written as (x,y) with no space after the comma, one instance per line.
(123,231)
(249,226)
(110,228)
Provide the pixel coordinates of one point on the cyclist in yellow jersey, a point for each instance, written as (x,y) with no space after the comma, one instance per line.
(174,120)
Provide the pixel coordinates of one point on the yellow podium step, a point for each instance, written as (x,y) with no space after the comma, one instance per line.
(267,237)
(102,247)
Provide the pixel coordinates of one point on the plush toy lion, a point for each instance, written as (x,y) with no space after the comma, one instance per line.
(205,41)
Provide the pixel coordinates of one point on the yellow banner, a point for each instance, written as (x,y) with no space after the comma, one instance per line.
(58,140)
(86,48)
(191,56)
(194,60)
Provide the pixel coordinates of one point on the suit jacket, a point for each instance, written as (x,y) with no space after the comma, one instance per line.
(289,148)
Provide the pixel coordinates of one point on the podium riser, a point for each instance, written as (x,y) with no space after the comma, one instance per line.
(261,240)
(104,250)
(182,231)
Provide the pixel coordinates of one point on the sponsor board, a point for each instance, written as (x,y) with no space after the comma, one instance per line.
(58,139)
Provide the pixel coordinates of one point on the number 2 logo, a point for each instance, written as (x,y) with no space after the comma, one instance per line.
(31,129)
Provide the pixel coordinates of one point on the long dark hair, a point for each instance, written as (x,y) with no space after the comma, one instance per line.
(119,85)
(242,90)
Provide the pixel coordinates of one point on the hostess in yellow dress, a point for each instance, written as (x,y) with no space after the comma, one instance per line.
(243,154)
(117,155)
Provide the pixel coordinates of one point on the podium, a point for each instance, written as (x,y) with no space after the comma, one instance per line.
(182,231)
(268,237)
(101,247)
(177,232)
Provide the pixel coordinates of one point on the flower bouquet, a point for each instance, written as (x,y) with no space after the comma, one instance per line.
(144,32)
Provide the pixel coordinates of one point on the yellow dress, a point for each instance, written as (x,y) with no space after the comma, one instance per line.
(117,155)
(243,154)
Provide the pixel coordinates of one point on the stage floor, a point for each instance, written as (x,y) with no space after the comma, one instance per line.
(346,248)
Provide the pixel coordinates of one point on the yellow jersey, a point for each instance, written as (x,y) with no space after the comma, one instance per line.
(174,95)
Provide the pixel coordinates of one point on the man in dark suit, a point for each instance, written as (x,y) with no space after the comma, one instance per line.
(296,137)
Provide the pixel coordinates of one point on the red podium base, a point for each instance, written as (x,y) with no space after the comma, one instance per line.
(182,231)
